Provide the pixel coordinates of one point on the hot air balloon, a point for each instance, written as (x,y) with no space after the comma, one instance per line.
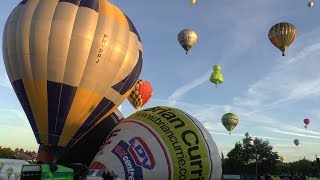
(216,76)
(192,2)
(306,122)
(229,121)
(248,140)
(282,35)
(160,143)
(86,148)
(140,94)
(187,38)
(310,4)
(296,142)
(282,158)
(71,64)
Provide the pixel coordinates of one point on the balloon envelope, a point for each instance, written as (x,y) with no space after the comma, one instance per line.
(140,94)
(296,142)
(282,35)
(229,121)
(216,76)
(160,143)
(192,2)
(310,4)
(86,148)
(187,38)
(71,64)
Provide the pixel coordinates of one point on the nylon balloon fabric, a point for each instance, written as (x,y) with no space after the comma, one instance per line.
(71,64)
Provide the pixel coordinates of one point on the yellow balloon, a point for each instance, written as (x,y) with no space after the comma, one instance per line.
(282,35)
(192,2)
(71,64)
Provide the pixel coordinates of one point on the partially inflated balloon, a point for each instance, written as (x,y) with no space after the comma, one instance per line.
(71,64)
(140,94)
(229,121)
(187,38)
(296,142)
(160,143)
(216,76)
(282,35)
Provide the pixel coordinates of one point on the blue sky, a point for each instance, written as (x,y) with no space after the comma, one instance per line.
(271,94)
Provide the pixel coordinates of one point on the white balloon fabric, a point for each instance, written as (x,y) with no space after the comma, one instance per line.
(160,143)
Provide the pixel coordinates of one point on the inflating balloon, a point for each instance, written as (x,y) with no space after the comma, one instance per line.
(140,94)
(160,143)
(216,76)
(187,38)
(310,4)
(229,121)
(296,142)
(282,35)
(192,2)
(71,64)
(306,122)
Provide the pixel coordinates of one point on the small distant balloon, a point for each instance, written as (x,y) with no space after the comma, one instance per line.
(192,2)
(310,4)
(282,158)
(140,94)
(216,76)
(282,35)
(296,142)
(187,38)
(229,121)
(306,122)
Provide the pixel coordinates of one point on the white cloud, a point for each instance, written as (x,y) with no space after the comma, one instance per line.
(178,93)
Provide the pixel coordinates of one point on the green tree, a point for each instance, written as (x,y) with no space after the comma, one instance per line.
(251,155)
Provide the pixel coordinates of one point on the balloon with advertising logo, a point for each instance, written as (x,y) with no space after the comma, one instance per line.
(159,143)
(71,64)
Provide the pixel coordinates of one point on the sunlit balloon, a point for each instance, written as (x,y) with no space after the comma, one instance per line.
(296,142)
(306,122)
(140,94)
(282,35)
(160,143)
(86,148)
(282,158)
(71,64)
(187,38)
(310,4)
(216,76)
(192,2)
(229,121)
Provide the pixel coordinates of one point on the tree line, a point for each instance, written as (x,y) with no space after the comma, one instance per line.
(18,153)
(256,157)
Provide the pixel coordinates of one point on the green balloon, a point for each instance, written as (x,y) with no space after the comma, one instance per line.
(216,76)
(229,121)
